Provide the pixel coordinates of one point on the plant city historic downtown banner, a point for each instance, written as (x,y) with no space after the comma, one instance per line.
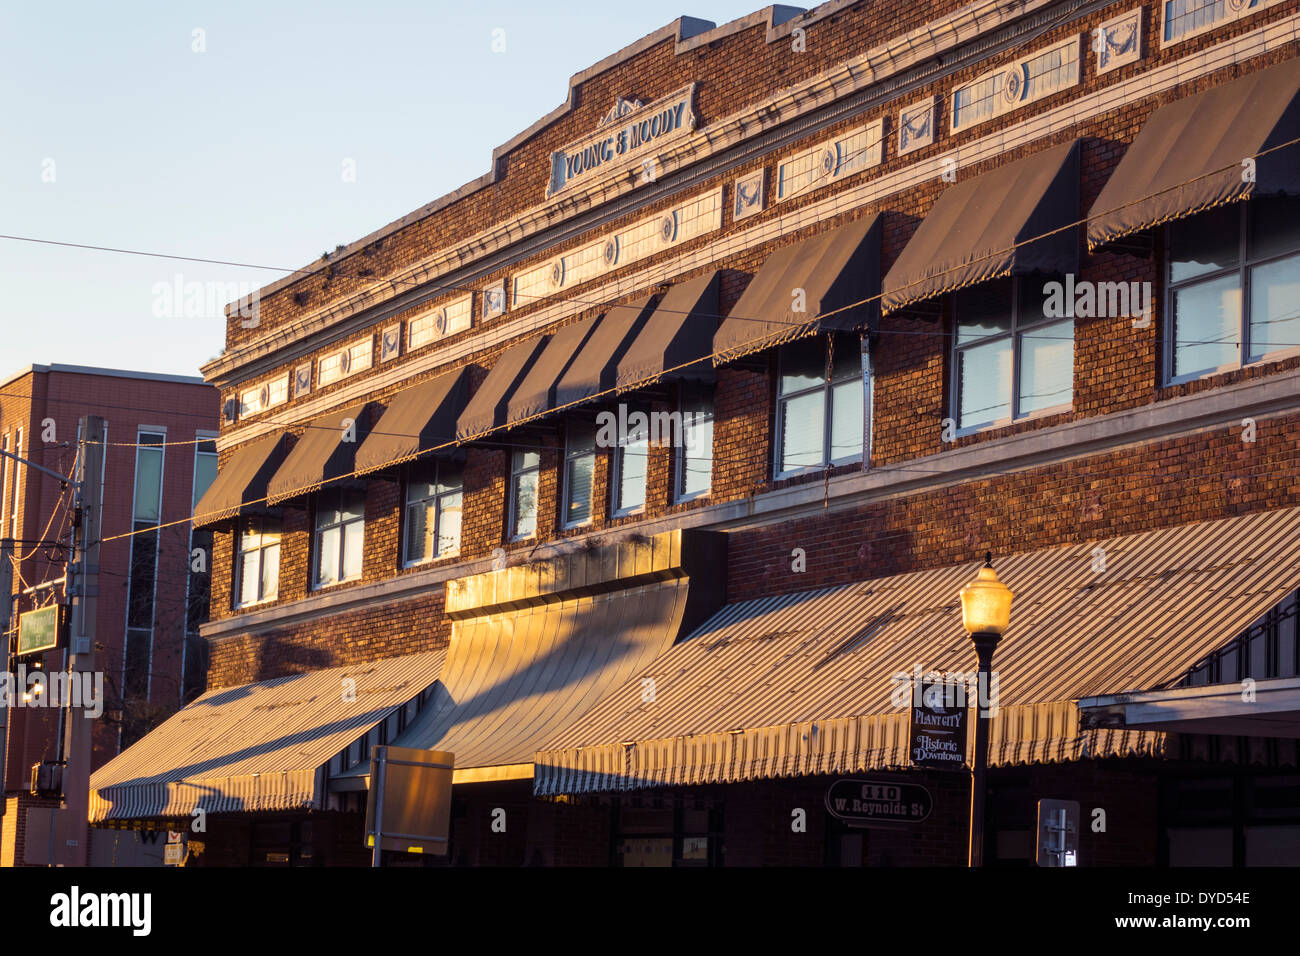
(937,737)
(628,129)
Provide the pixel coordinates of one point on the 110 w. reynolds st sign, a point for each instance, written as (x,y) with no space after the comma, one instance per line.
(628,128)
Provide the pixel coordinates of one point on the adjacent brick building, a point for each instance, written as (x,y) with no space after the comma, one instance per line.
(831,239)
(159,458)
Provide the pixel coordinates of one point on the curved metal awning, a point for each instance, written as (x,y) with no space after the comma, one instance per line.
(803,683)
(261,746)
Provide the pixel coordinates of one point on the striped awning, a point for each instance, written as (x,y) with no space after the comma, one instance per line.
(532,651)
(803,683)
(262,746)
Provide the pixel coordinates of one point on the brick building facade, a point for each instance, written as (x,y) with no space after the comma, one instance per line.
(848,446)
(160,456)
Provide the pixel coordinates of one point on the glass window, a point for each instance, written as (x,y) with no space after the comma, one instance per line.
(1009,360)
(579,473)
(819,422)
(695,454)
(257,571)
(525,468)
(340,533)
(148,476)
(433,511)
(205,469)
(1234,280)
(631,465)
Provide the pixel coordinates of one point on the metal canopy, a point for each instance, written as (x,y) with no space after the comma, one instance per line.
(803,683)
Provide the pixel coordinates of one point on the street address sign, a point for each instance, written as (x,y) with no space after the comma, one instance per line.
(864,802)
(38,630)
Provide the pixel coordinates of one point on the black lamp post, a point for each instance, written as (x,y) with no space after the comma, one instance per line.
(985,613)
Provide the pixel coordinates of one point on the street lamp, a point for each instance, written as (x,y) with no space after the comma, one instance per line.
(985,613)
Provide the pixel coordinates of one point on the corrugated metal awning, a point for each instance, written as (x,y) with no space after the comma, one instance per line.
(1015,220)
(420,417)
(1189,155)
(533,650)
(802,683)
(812,285)
(326,451)
(260,746)
(242,482)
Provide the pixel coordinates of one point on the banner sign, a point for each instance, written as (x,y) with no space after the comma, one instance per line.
(38,630)
(628,129)
(937,738)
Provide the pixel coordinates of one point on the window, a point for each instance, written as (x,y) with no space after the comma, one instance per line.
(818,422)
(257,572)
(525,468)
(1234,281)
(1009,361)
(16,479)
(1008,88)
(340,531)
(198,590)
(141,581)
(433,510)
(579,474)
(1183,19)
(631,460)
(694,464)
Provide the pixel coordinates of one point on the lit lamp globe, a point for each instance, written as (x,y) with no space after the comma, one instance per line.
(986,602)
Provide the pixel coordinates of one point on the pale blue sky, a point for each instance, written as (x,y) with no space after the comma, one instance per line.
(236,153)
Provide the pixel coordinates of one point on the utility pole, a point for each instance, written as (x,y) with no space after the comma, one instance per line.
(83,589)
(6,617)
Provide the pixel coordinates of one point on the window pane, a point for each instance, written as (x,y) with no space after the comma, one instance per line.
(984,383)
(847,359)
(525,459)
(148,481)
(803,424)
(846,420)
(327,511)
(1274,227)
(1207,325)
(1046,367)
(983,310)
(205,472)
(449,479)
(419,531)
(633,461)
(581,438)
(581,471)
(353,535)
(1033,297)
(270,572)
(248,578)
(525,492)
(697,454)
(353,505)
(1204,243)
(327,556)
(1275,307)
(803,365)
(449,525)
